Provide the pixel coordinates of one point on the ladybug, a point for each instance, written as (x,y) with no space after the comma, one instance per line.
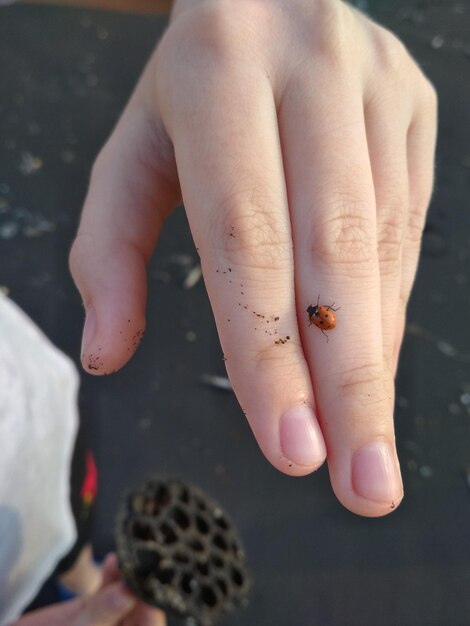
(322,316)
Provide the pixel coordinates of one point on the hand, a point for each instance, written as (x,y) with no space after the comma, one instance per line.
(300,136)
(113,605)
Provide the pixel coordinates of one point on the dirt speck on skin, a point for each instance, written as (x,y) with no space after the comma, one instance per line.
(284,459)
(281,340)
(136,339)
(94,362)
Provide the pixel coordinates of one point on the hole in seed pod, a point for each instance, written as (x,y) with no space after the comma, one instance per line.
(142,531)
(217,561)
(164,575)
(188,583)
(220,542)
(202,525)
(179,557)
(148,562)
(169,535)
(222,586)
(201,504)
(162,496)
(196,545)
(237,577)
(184,495)
(208,596)
(221,521)
(203,569)
(180,517)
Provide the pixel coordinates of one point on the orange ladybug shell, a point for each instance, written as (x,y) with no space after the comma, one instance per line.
(322,316)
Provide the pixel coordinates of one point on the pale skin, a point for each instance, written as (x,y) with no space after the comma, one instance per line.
(300,136)
(111,605)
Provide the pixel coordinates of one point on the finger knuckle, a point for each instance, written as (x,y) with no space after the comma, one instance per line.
(218,30)
(368,383)
(390,238)
(246,231)
(338,36)
(345,238)
(415,228)
(402,305)
(391,53)
(279,356)
(429,97)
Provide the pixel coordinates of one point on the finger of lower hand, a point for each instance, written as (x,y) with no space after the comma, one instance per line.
(144,615)
(106,608)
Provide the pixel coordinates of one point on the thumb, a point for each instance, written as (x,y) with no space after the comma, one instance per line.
(106,608)
(133,187)
(111,572)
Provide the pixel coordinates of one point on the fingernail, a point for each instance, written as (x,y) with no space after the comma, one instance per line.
(376,473)
(301,438)
(89,330)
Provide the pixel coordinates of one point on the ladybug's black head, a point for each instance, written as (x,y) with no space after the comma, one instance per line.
(312,310)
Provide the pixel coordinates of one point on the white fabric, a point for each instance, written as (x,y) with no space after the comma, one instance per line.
(38,424)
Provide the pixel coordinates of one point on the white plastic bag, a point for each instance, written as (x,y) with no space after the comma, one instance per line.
(38,424)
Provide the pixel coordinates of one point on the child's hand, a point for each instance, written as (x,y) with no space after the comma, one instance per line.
(300,136)
(111,606)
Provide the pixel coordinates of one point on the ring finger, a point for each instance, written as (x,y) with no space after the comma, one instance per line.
(333,208)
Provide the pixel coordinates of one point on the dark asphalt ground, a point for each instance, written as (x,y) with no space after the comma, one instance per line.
(66,75)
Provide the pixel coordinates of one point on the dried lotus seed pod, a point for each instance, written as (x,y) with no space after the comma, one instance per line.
(179,551)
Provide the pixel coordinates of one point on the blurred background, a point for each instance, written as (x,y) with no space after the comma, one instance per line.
(67,70)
